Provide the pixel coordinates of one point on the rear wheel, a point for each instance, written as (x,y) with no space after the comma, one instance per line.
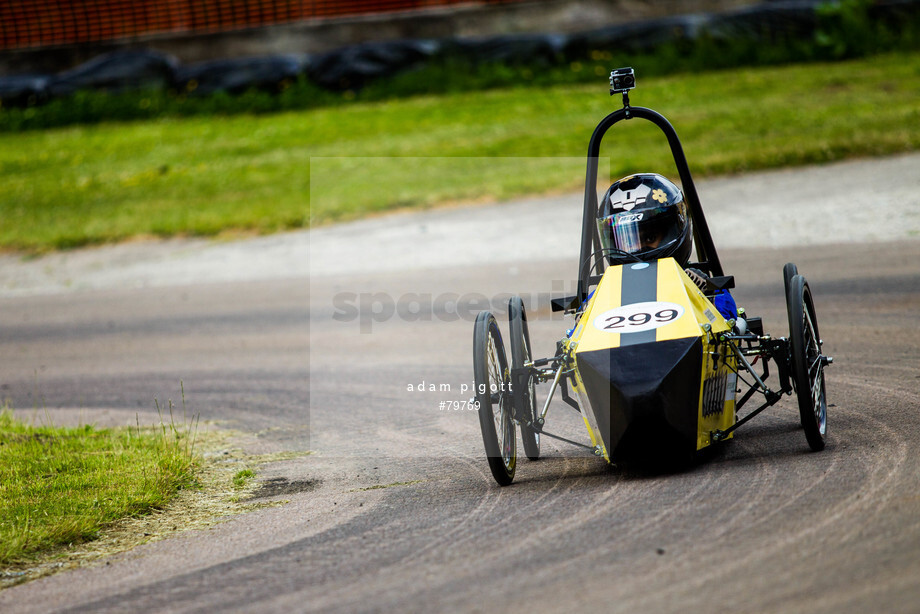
(807,362)
(523,386)
(492,379)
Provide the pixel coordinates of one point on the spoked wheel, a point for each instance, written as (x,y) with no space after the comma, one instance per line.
(492,379)
(523,386)
(807,362)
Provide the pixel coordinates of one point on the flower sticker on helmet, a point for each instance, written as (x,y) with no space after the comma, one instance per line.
(660,196)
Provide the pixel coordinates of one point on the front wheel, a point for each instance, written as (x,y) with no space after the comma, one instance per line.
(807,362)
(492,379)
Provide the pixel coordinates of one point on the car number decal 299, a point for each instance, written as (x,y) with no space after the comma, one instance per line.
(638,317)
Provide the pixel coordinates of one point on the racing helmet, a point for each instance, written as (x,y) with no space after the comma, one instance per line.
(645,215)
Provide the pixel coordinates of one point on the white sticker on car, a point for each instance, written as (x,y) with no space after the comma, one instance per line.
(638,317)
(730,387)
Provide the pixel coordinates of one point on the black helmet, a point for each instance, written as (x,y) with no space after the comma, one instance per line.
(645,215)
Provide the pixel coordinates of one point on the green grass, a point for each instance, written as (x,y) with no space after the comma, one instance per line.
(61,486)
(263,173)
(242,477)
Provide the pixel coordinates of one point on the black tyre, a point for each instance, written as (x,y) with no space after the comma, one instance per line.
(807,362)
(492,378)
(789,271)
(523,387)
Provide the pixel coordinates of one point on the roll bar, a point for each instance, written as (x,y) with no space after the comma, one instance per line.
(708,259)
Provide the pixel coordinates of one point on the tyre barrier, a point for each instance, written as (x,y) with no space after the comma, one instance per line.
(353,67)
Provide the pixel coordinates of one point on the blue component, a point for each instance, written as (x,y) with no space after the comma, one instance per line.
(726,305)
(569,332)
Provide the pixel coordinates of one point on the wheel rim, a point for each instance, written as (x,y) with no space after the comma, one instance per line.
(531,391)
(815,371)
(500,414)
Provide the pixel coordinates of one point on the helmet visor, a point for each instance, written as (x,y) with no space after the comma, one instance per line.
(643,231)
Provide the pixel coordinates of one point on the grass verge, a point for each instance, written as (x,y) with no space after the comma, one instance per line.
(205,176)
(219,490)
(62,485)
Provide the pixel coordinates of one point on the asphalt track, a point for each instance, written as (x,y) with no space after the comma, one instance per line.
(398,511)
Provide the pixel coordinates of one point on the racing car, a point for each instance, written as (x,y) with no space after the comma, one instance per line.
(658,353)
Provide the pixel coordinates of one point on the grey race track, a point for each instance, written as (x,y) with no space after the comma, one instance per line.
(269,336)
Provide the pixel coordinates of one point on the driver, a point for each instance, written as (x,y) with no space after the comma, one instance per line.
(644,216)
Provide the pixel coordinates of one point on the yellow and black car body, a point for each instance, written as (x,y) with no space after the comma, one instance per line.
(647,373)
(661,384)
(654,365)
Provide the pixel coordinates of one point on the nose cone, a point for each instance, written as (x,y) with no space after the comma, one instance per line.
(645,397)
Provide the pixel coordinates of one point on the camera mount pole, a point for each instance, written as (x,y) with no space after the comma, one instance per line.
(626,104)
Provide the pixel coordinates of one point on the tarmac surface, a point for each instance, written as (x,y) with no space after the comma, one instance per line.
(306,342)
